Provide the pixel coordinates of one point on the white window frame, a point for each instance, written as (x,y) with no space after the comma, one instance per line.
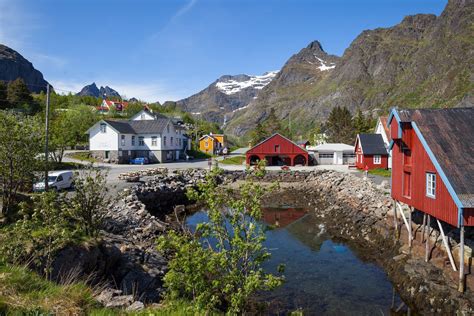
(122,140)
(164,140)
(377,159)
(133,140)
(431,185)
(141,141)
(103,128)
(154,141)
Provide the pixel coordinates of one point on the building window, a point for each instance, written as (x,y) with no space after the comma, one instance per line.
(153,140)
(122,140)
(348,155)
(407,184)
(103,128)
(168,128)
(326,155)
(377,159)
(164,140)
(171,141)
(143,116)
(133,140)
(141,141)
(206,144)
(277,148)
(179,142)
(431,185)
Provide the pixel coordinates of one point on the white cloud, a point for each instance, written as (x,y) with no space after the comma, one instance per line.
(184,9)
(146,91)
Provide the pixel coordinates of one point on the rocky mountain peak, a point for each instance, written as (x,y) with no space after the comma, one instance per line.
(13,65)
(93,91)
(316,46)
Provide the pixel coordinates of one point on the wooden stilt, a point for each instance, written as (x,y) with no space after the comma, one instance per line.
(461,287)
(395,218)
(406,224)
(427,244)
(446,245)
(410,230)
(423,228)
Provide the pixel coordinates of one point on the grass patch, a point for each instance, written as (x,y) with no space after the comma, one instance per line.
(25,292)
(236,160)
(177,308)
(381,172)
(83,156)
(53,166)
(196,154)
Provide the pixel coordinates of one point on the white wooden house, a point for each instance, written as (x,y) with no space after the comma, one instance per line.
(383,130)
(146,134)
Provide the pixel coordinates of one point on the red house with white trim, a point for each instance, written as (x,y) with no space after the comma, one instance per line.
(371,152)
(433,162)
(433,167)
(107,105)
(278,150)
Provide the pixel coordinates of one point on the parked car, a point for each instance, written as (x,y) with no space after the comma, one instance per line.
(139,161)
(57,180)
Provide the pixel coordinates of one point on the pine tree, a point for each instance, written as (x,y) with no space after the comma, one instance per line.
(272,123)
(340,126)
(19,96)
(3,96)
(258,134)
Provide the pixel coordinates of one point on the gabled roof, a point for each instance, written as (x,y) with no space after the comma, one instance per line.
(383,121)
(274,135)
(371,144)
(137,127)
(447,136)
(205,136)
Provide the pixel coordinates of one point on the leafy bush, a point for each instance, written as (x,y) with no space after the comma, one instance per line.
(219,266)
(40,234)
(91,200)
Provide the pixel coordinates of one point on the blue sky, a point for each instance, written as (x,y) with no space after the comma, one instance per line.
(170,49)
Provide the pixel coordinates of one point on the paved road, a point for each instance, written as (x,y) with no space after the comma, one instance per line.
(114,170)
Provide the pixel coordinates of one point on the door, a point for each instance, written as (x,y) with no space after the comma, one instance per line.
(59,182)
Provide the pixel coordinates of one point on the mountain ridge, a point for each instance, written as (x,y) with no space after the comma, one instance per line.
(13,65)
(424,61)
(225,96)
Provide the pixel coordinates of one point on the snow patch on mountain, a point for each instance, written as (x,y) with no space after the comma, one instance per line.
(324,66)
(233,85)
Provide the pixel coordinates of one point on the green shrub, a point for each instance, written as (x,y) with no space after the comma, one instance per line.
(219,266)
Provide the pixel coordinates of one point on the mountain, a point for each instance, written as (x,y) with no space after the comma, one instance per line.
(425,61)
(226,96)
(13,66)
(93,91)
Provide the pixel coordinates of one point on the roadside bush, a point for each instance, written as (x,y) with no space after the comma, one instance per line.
(219,266)
(40,234)
(91,200)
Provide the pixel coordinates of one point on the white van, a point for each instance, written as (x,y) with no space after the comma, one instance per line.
(57,180)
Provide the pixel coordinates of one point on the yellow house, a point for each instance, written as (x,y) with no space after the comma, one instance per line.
(212,144)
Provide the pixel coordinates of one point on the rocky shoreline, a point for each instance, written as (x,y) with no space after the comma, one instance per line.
(359,213)
(354,210)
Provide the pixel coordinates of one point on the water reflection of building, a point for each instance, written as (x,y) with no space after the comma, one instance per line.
(282,217)
(310,231)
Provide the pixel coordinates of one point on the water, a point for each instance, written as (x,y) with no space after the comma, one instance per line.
(323,277)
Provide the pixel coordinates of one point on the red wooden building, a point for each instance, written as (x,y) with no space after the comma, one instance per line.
(278,150)
(433,166)
(371,152)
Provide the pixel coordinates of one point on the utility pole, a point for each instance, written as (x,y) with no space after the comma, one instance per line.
(46,149)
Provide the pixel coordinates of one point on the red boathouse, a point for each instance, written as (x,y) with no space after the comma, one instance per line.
(371,152)
(277,150)
(433,169)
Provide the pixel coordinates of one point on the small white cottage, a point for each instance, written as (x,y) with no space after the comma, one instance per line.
(146,134)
